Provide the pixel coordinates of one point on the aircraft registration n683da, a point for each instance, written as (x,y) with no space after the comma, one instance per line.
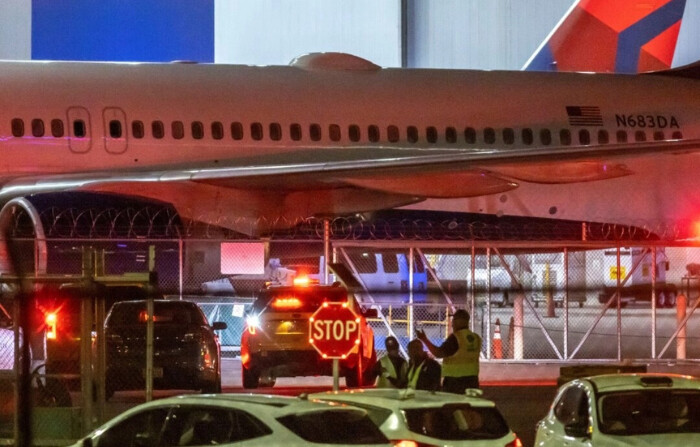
(333,133)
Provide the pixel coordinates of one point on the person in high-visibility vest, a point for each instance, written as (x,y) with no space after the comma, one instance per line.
(460,353)
(391,368)
(423,370)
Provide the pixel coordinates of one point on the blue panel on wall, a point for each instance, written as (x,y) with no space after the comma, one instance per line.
(123,30)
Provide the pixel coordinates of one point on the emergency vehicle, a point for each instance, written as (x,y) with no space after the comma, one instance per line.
(275,341)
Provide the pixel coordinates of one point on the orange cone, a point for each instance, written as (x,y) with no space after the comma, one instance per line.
(497,342)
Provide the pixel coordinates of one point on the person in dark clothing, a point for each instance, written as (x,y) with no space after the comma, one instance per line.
(423,371)
(460,353)
(391,369)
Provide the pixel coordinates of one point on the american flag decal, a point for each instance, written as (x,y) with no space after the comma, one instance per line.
(584,116)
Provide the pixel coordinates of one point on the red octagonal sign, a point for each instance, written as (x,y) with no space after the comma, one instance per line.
(334,330)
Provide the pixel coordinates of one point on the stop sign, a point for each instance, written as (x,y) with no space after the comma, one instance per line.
(334,330)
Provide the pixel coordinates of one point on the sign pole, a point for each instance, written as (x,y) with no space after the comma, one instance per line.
(336,374)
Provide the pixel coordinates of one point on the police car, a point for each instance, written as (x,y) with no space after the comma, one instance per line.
(412,418)
(624,409)
(275,342)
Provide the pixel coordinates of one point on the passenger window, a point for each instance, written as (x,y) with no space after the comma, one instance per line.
(237,130)
(391,264)
(178,130)
(217,130)
(315,132)
(392,134)
(136,129)
(373,133)
(143,428)
(256,131)
(508,136)
(451,135)
(545,137)
(584,137)
(489,135)
(79,130)
(57,128)
(334,132)
(354,132)
(115,129)
(17,127)
(677,135)
(158,129)
(37,127)
(621,136)
(412,134)
(572,406)
(640,136)
(363,262)
(431,134)
(295,131)
(659,135)
(527,136)
(470,135)
(275,131)
(603,137)
(197,130)
(565,137)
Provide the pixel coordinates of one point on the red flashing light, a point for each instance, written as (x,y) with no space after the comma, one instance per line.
(51,320)
(286,303)
(304,281)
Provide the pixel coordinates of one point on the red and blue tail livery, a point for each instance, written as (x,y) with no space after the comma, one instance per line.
(623,36)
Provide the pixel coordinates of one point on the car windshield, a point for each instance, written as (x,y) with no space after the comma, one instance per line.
(346,427)
(455,422)
(640,412)
(134,314)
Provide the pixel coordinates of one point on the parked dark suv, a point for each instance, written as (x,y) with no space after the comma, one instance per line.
(186,350)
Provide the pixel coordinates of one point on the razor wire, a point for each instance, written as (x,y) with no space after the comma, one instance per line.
(158,222)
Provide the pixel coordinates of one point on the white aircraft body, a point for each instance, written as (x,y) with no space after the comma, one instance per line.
(335,134)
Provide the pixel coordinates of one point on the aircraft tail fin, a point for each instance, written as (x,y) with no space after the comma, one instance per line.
(623,36)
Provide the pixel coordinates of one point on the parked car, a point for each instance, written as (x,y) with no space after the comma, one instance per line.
(233,419)
(624,409)
(275,342)
(186,350)
(425,418)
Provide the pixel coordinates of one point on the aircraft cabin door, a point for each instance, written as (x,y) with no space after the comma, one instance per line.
(114,130)
(79,135)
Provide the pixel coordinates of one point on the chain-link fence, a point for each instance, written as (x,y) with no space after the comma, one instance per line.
(529,301)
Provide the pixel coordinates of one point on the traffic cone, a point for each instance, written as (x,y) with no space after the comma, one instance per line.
(497,342)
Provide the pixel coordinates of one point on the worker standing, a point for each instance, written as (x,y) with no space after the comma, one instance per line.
(423,370)
(460,353)
(391,368)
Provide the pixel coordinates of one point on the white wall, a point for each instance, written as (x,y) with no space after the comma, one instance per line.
(15,29)
(495,34)
(266,32)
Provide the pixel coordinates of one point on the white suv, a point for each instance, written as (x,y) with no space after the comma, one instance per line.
(624,409)
(425,418)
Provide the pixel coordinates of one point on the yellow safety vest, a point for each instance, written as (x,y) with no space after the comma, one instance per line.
(464,362)
(414,374)
(388,370)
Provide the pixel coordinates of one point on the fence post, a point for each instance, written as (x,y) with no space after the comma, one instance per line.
(518,316)
(681,305)
(511,338)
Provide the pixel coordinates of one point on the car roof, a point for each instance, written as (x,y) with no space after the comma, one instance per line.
(618,382)
(274,405)
(401,398)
